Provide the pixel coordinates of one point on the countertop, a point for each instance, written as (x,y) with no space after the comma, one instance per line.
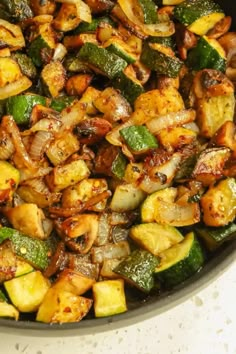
(204,324)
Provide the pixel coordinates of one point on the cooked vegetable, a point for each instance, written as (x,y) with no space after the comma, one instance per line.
(20,107)
(101,59)
(199,15)
(138,268)
(32,250)
(154,237)
(27,292)
(214,237)
(180,261)
(207,54)
(219,203)
(117,137)
(156,57)
(109,298)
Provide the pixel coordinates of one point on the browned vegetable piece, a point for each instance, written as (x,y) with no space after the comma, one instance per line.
(76,41)
(173,138)
(210,165)
(38,227)
(77,84)
(88,98)
(64,145)
(219,203)
(99,6)
(73,281)
(215,101)
(11,35)
(9,71)
(67,18)
(58,261)
(114,106)
(185,40)
(35,191)
(226,136)
(7,262)
(46,7)
(67,175)
(118,250)
(104,159)
(92,130)
(54,77)
(83,191)
(220,28)
(83,228)
(61,306)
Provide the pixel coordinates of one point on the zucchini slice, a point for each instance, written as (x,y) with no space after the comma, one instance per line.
(154,237)
(199,15)
(180,261)
(34,251)
(159,58)
(149,10)
(208,54)
(213,237)
(101,59)
(130,88)
(20,106)
(138,268)
(122,49)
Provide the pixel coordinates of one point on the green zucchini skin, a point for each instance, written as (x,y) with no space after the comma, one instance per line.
(20,106)
(213,237)
(138,138)
(59,103)
(188,12)
(128,87)
(85,27)
(26,64)
(204,56)
(119,165)
(19,10)
(109,63)
(35,50)
(161,63)
(149,9)
(32,250)
(183,269)
(166,41)
(138,269)
(121,52)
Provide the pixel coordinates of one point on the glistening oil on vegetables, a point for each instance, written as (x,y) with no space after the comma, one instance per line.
(117,151)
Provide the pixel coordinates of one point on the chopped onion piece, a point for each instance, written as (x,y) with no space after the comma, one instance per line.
(45,124)
(110,251)
(59,52)
(170,120)
(39,144)
(6,145)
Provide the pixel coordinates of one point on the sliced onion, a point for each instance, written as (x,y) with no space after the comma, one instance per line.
(104,228)
(110,251)
(6,146)
(15,87)
(59,52)
(26,174)
(170,120)
(12,34)
(39,144)
(24,159)
(73,115)
(161,29)
(167,170)
(192,126)
(45,124)
(119,234)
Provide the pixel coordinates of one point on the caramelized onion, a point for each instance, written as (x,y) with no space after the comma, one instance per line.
(39,144)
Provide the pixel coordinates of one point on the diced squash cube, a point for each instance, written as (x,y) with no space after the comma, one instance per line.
(109,298)
(27,292)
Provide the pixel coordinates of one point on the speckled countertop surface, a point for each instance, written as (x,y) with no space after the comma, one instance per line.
(204,324)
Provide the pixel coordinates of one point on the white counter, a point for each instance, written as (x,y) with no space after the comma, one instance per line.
(205,324)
